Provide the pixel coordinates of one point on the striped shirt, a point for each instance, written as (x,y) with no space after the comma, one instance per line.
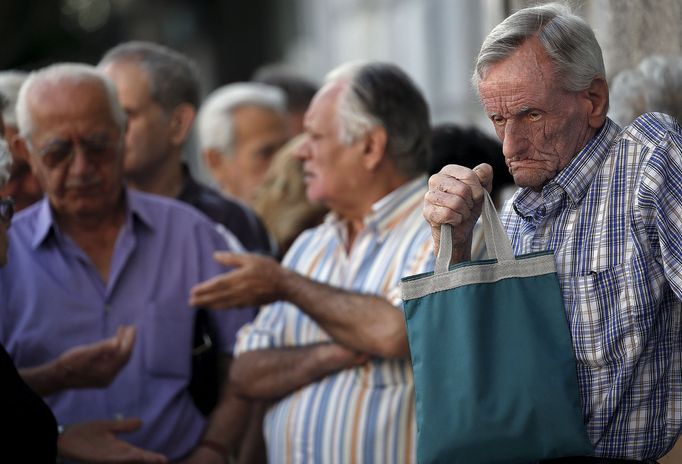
(364,414)
(613,217)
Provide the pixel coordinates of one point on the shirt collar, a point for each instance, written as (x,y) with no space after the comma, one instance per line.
(575,179)
(389,210)
(46,223)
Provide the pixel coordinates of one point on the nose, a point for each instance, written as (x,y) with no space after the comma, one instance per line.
(303,151)
(515,140)
(80,164)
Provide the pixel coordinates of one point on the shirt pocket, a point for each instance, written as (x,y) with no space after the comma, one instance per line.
(601,318)
(168,339)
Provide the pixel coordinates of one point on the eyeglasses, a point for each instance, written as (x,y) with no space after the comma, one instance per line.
(96,149)
(6,210)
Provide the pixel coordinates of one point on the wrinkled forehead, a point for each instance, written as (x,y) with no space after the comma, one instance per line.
(67,103)
(528,73)
(324,103)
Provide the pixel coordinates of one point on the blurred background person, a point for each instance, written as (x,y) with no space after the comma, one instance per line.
(655,85)
(159,89)
(241,126)
(29,430)
(93,255)
(299,91)
(281,199)
(22,185)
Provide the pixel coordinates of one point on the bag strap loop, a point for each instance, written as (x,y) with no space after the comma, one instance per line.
(497,243)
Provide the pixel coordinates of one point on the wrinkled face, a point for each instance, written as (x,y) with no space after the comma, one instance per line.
(148,133)
(331,169)
(259,133)
(540,125)
(22,185)
(76,148)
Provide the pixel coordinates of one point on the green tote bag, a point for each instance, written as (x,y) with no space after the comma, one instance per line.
(494,370)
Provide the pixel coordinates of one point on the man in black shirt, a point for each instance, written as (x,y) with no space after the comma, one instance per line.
(159,89)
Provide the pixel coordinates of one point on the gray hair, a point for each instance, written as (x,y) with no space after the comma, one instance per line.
(66,72)
(566,38)
(381,94)
(654,85)
(173,77)
(10,83)
(5,162)
(215,125)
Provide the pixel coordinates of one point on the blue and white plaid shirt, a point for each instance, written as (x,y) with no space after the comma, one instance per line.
(613,217)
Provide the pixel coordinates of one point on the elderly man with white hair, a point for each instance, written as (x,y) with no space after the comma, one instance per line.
(93,255)
(330,351)
(31,432)
(241,126)
(22,185)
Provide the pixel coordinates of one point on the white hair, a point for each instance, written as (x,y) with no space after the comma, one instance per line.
(215,125)
(66,72)
(5,162)
(354,119)
(567,39)
(376,94)
(10,83)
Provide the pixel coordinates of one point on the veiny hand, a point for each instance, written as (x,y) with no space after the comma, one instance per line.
(255,280)
(96,442)
(455,197)
(97,364)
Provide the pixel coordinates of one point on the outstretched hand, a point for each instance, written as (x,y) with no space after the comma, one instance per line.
(456,197)
(97,364)
(254,281)
(96,442)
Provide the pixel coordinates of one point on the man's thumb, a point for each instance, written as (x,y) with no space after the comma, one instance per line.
(125,425)
(485,175)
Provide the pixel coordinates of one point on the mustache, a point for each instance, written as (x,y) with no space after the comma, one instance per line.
(82,182)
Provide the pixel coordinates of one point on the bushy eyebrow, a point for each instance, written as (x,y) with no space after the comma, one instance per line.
(521,112)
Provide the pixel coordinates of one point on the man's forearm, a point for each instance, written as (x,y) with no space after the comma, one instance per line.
(45,379)
(366,323)
(273,373)
(228,420)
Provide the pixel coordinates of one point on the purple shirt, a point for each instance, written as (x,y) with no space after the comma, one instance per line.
(52,299)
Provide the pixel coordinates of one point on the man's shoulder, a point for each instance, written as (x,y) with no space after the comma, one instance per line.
(237,217)
(161,210)
(215,205)
(25,222)
(651,129)
(162,204)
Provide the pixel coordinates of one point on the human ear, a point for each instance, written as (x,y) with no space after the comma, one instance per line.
(374,147)
(213,160)
(598,98)
(181,122)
